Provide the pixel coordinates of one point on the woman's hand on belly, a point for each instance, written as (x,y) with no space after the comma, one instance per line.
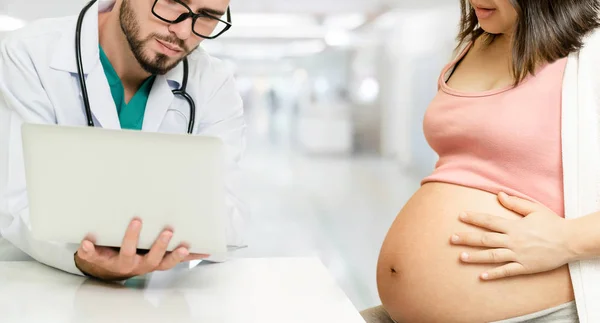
(536,243)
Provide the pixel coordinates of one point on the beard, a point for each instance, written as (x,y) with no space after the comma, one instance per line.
(130,26)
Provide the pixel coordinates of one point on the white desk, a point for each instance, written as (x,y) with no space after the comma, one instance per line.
(10,253)
(245,290)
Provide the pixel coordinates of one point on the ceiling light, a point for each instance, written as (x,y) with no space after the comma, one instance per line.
(336,38)
(283,32)
(305,48)
(368,90)
(272,20)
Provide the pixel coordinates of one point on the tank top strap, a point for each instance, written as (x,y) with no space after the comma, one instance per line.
(449,68)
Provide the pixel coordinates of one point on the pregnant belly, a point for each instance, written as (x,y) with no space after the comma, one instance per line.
(421,279)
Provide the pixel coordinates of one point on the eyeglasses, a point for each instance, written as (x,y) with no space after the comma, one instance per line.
(205,24)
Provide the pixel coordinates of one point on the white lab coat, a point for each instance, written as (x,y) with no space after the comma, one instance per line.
(38,84)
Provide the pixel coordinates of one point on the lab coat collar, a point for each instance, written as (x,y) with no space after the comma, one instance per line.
(161,97)
(102,106)
(64,58)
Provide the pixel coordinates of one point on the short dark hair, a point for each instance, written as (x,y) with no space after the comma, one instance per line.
(546,30)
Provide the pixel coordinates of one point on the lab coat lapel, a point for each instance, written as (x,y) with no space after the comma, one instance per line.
(101,100)
(161,98)
(159,101)
(64,59)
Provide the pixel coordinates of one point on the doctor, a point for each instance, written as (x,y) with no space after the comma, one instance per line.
(132,56)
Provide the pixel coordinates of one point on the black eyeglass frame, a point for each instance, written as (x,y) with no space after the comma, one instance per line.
(195,16)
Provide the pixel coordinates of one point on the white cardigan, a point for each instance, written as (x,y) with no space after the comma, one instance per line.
(581,162)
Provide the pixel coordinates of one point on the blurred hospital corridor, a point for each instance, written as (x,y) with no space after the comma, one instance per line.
(336,208)
(334,105)
(334,95)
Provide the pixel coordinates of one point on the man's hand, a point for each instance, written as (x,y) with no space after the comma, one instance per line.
(112,264)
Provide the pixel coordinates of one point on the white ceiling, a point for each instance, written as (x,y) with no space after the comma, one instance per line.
(29,10)
(274,28)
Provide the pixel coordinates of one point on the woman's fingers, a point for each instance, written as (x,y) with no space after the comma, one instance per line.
(492,256)
(485,221)
(481,239)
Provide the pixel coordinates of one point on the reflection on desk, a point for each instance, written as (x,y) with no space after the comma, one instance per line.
(244,290)
(8,252)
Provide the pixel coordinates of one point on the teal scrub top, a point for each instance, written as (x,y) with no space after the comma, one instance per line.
(131,115)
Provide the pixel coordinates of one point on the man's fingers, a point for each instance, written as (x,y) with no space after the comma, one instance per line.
(107,253)
(126,262)
(173,259)
(195,256)
(86,251)
(154,258)
(130,241)
(93,259)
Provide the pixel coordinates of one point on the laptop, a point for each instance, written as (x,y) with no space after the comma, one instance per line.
(84,180)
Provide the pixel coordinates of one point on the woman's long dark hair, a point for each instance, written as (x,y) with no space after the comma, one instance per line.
(546,30)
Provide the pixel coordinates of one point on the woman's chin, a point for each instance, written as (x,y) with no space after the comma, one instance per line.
(494,30)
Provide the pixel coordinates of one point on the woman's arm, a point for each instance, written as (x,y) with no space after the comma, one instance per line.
(583,237)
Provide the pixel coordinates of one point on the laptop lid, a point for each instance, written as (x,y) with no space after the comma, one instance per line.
(84,180)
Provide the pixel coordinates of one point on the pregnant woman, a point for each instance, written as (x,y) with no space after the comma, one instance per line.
(498,124)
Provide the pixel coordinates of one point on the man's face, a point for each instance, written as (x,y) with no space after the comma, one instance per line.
(157,45)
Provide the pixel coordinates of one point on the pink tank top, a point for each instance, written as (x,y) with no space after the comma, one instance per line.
(505,140)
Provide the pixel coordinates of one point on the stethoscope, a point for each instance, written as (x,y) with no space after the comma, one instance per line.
(88,112)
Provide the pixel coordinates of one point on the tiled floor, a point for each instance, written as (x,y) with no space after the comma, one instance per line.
(337,208)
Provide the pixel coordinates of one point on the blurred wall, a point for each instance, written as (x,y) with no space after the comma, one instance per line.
(417,47)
